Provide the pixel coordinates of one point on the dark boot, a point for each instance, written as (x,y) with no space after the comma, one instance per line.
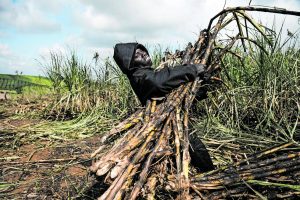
(200,158)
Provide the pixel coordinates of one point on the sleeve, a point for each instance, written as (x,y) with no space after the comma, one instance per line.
(159,83)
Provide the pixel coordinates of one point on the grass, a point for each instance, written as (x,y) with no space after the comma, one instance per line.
(258,105)
(80,88)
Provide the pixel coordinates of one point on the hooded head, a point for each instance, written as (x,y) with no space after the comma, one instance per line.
(124,55)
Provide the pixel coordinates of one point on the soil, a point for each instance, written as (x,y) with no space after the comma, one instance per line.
(43,169)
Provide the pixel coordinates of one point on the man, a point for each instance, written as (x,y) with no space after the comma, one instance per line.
(134,61)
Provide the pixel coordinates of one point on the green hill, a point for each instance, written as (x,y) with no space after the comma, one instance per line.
(18,82)
(38,80)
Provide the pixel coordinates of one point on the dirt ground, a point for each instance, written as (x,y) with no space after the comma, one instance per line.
(43,169)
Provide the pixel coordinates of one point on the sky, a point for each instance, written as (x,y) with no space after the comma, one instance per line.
(31,29)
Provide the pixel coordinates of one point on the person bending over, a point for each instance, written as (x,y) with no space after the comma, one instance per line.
(134,61)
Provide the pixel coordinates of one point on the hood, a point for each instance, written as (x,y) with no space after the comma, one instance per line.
(124,53)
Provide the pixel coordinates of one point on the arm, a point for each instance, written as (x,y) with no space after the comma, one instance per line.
(167,79)
(149,83)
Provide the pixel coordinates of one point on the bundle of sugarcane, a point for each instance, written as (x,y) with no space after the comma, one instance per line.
(278,167)
(153,151)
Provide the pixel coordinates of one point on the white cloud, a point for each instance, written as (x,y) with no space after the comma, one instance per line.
(26,17)
(45,51)
(5,51)
(99,25)
(3,34)
(159,21)
(10,62)
(94,20)
(53,6)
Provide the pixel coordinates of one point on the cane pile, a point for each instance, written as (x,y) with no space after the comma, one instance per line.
(150,158)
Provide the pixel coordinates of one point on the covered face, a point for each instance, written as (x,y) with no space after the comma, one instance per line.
(130,56)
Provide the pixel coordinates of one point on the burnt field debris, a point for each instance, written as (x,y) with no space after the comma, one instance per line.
(88,137)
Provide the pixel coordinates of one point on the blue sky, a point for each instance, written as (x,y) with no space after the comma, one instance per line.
(30,29)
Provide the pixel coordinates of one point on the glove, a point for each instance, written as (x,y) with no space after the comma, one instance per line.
(202,73)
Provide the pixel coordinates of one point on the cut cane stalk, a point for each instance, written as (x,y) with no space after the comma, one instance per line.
(143,175)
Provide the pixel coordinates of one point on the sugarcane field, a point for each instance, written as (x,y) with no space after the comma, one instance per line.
(150,100)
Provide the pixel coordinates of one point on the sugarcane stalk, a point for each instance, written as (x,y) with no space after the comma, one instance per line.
(241,169)
(150,187)
(177,147)
(230,181)
(128,182)
(186,158)
(185,155)
(197,83)
(251,8)
(127,146)
(255,174)
(230,191)
(97,151)
(115,148)
(144,174)
(122,150)
(199,46)
(166,151)
(269,161)
(115,131)
(148,111)
(124,125)
(241,33)
(121,165)
(266,152)
(153,106)
(238,189)
(129,134)
(270,170)
(120,180)
(118,147)
(239,163)
(127,171)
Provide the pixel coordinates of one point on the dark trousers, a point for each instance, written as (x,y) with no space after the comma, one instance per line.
(200,158)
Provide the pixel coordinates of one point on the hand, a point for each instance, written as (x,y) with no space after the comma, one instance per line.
(202,72)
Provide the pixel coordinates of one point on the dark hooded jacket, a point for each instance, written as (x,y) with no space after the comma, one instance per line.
(146,82)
